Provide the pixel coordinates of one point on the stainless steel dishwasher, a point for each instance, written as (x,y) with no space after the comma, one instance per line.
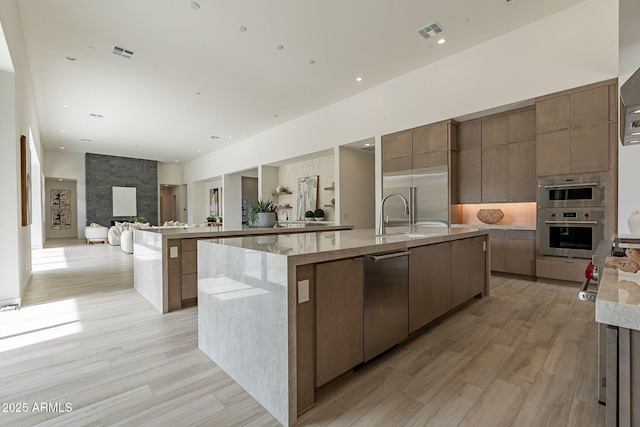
(386,301)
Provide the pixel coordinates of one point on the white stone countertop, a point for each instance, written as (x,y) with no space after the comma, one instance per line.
(306,248)
(226,230)
(496,226)
(618,300)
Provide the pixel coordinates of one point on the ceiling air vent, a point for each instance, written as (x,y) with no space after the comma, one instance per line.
(122,52)
(430,30)
(96,116)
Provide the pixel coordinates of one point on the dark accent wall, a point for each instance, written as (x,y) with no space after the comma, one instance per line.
(104,172)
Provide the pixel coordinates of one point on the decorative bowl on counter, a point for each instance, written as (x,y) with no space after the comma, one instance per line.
(490,216)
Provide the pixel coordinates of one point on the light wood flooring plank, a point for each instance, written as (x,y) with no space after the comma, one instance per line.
(527,355)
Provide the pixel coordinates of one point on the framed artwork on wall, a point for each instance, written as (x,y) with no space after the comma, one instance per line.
(307,195)
(25,180)
(60,201)
(215,194)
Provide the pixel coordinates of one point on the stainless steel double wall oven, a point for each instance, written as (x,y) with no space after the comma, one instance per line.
(571,215)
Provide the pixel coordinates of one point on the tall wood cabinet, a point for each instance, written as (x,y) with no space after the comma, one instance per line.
(496,158)
(575,129)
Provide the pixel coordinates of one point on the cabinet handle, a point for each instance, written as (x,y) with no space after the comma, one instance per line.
(377,258)
(582,184)
(572,222)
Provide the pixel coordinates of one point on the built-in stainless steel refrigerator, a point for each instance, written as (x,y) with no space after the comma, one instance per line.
(426,190)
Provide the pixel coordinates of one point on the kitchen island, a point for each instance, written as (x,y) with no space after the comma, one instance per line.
(164,259)
(618,307)
(283,314)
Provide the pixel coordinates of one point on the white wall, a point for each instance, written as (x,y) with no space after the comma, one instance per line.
(544,57)
(628,157)
(70,166)
(18,115)
(169,174)
(356,188)
(288,175)
(10,176)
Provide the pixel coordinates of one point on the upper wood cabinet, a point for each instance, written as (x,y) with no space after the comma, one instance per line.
(397,152)
(495,131)
(574,129)
(420,147)
(496,158)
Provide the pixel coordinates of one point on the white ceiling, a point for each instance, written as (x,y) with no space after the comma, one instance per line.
(195,75)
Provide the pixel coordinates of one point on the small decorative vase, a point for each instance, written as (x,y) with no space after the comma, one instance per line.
(266,219)
(634,222)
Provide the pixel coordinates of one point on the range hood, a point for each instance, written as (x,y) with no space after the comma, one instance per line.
(630,110)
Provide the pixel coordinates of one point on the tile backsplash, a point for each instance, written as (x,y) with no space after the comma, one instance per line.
(517,214)
(288,177)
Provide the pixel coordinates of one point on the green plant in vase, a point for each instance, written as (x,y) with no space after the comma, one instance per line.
(308,215)
(262,213)
(318,214)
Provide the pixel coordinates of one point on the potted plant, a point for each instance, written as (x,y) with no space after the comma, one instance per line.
(262,213)
(318,214)
(139,219)
(308,215)
(212,219)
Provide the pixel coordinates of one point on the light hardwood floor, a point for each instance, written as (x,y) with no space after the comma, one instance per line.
(526,356)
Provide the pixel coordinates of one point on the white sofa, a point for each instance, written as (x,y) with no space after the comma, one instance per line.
(96,233)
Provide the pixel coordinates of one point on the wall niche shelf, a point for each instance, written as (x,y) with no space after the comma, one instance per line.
(281,193)
(284,207)
(333,188)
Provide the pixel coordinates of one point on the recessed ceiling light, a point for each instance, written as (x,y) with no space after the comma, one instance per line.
(92,49)
(229,137)
(367,145)
(442,41)
(279,47)
(195,5)
(71,58)
(176,160)
(359,79)
(63,131)
(60,179)
(198,151)
(66,105)
(242,28)
(62,148)
(311,62)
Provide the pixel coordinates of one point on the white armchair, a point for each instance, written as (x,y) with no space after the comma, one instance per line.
(95,233)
